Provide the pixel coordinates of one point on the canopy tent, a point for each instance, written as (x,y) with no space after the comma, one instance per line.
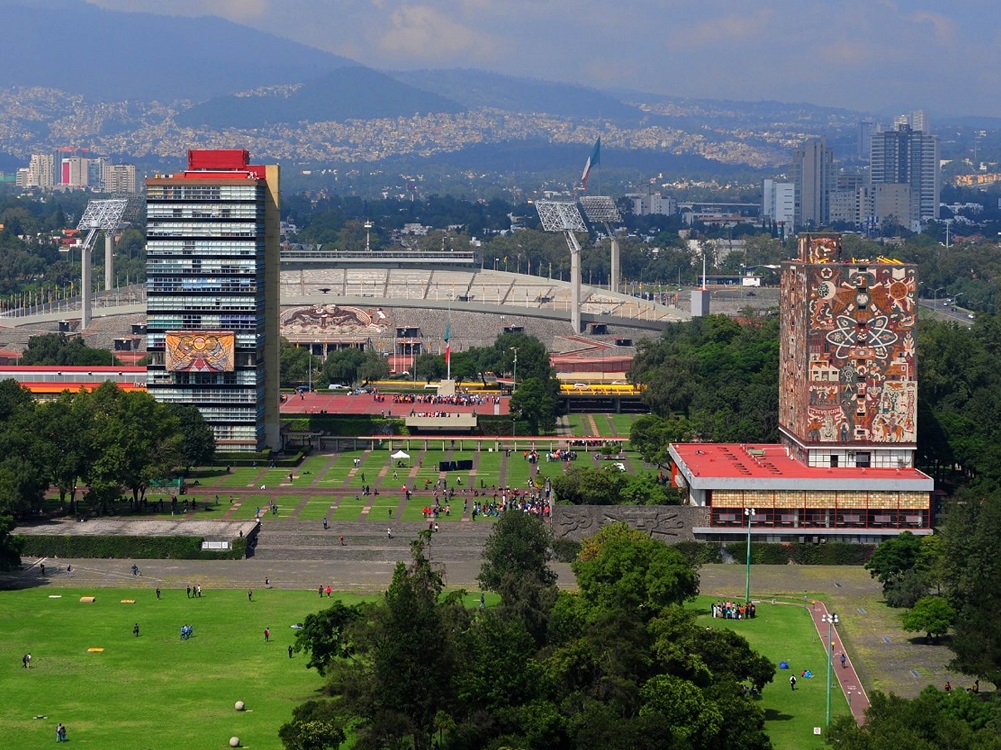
(400,454)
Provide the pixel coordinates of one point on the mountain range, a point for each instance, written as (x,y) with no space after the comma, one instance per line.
(145,88)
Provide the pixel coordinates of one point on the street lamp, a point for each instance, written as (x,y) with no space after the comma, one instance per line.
(514,378)
(368,230)
(831,620)
(749,512)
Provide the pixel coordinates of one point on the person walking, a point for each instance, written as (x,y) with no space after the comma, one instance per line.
(792,681)
(326,525)
(342,540)
(289,652)
(250,595)
(157,592)
(844,660)
(135,630)
(60,732)
(267,635)
(389,533)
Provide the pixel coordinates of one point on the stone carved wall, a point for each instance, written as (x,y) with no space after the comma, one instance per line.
(667,523)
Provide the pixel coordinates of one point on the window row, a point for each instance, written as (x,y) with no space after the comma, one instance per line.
(159,379)
(209,229)
(199,266)
(205,248)
(205,211)
(193,192)
(823,519)
(174,284)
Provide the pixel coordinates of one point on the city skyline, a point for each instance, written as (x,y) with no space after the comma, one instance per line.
(879,57)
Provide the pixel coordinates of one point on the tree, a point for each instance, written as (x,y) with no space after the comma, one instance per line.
(137,440)
(314,726)
(324,635)
(296,363)
(932,615)
(894,557)
(412,654)
(516,565)
(342,366)
(373,367)
(66,425)
(59,349)
(652,435)
(538,403)
(23,474)
(197,441)
(590,485)
(10,546)
(972,579)
(622,568)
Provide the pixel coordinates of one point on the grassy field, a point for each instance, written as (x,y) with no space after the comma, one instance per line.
(784,632)
(155,691)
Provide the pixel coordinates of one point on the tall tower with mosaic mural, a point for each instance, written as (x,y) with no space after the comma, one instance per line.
(848,375)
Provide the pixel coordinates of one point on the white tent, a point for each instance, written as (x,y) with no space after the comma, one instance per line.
(400,455)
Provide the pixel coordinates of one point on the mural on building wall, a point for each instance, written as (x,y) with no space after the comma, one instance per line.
(850,377)
(330,322)
(199,351)
(668,524)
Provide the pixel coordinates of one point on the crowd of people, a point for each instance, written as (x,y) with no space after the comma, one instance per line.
(733,610)
(459,399)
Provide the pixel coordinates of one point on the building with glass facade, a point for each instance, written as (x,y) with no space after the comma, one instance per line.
(212,269)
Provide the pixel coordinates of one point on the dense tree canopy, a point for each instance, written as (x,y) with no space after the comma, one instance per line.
(721,376)
(618,665)
(60,349)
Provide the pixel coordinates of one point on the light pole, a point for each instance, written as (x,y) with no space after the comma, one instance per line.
(368,231)
(831,620)
(749,512)
(514,378)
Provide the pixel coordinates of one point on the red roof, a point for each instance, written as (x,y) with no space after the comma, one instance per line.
(729,464)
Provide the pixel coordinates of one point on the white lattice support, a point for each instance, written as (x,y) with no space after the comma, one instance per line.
(99,216)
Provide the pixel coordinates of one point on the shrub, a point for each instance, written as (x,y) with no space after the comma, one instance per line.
(701,553)
(565,550)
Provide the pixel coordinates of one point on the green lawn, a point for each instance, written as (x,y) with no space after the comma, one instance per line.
(488,468)
(623,423)
(348,509)
(239,477)
(316,508)
(577,425)
(784,632)
(155,691)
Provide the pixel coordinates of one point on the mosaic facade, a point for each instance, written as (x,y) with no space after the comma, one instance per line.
(847,371)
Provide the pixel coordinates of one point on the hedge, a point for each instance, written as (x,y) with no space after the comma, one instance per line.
(346,425)
(126,547)
(831,553)
(701,553)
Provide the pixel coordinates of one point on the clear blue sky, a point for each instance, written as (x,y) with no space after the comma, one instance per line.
(879,55)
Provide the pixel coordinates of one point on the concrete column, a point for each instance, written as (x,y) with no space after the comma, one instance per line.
(109,260)
(614,280)
(85,300)
(575,291)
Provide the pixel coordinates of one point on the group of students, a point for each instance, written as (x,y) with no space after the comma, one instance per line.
(733,610)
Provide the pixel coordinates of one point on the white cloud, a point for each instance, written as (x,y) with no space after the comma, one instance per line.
(423,34)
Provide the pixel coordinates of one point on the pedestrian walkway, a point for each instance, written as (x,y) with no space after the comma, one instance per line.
(848,678)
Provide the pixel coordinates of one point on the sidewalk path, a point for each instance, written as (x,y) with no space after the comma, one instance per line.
(850,683)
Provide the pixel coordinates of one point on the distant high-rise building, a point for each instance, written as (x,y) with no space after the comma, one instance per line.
(866,128)
(41,170)
(905,156)
(212,249)
(916,120)
(778,202)
(648,203)
(75,172)
(814,177)
(119,178)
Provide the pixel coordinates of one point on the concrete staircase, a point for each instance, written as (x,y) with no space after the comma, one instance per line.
(456,541)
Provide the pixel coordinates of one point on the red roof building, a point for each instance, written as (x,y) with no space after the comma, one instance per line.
(847,413)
